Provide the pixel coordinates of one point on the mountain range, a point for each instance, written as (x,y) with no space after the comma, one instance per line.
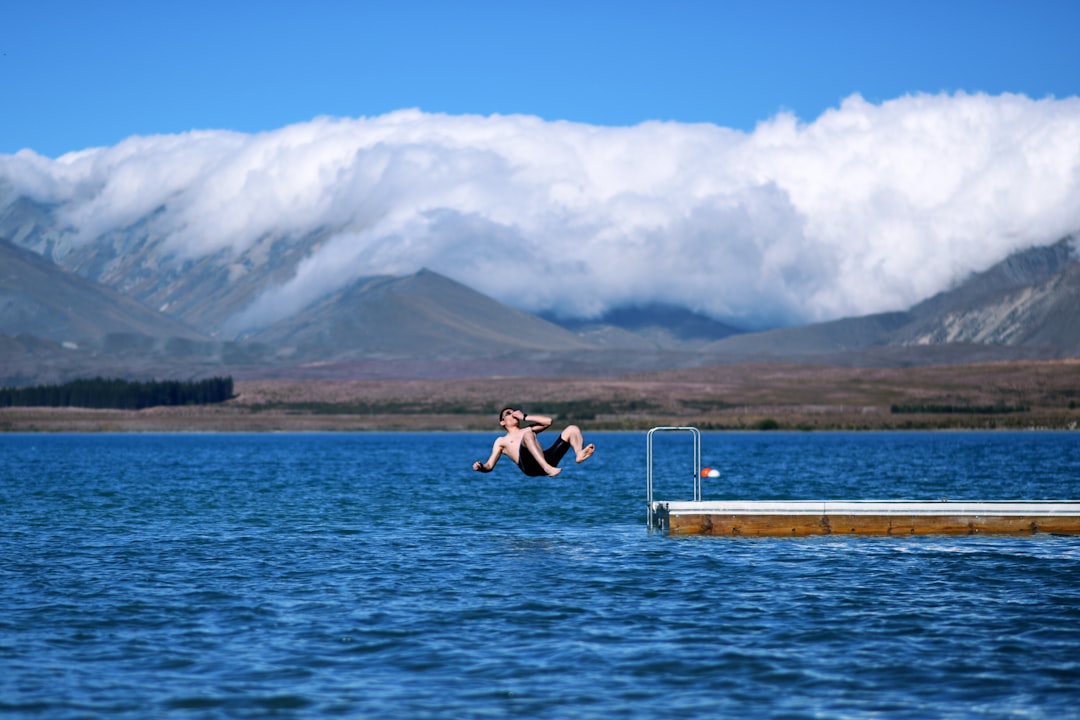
(124,305)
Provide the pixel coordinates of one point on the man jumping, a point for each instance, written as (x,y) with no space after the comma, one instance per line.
(520,445)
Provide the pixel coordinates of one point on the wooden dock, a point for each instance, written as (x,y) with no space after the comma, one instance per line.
(795,518)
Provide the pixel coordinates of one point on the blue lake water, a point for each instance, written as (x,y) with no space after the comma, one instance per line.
(377,575)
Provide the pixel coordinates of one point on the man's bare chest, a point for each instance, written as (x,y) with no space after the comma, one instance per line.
(512,447)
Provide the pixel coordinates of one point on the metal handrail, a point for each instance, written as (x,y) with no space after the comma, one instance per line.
(649,459)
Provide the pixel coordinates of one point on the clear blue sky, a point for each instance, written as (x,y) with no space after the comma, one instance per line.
(81,74)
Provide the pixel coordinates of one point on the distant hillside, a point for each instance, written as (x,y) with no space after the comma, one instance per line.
(649,327)
(41,299)
(424,315)
(1028,305)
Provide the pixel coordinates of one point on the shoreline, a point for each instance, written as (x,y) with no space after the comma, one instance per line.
(1023,395)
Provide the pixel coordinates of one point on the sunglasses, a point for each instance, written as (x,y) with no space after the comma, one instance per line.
(507,412)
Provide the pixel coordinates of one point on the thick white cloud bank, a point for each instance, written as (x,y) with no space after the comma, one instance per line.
(870,207)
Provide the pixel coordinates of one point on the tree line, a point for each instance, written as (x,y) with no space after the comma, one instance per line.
(998,409)
(104,393)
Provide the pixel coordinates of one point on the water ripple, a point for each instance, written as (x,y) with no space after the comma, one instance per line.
(336,575)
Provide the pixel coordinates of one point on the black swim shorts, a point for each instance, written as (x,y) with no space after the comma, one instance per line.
(553,455)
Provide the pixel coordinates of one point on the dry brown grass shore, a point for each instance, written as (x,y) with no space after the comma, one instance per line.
(1019,395)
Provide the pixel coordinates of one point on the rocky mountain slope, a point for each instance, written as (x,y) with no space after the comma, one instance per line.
(1028,305)
(38,298)
(141,263)
(1030,299)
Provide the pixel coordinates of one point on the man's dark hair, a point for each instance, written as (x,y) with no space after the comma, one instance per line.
(508,407)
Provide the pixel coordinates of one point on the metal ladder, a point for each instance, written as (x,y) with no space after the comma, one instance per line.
(697,463)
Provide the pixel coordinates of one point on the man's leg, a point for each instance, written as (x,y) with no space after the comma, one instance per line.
(532,445)
(572,435)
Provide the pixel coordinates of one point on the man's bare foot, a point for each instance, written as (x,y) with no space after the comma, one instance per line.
(553,471)
(586,453)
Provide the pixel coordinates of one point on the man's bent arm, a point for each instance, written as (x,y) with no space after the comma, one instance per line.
(488,466)
(538,423)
